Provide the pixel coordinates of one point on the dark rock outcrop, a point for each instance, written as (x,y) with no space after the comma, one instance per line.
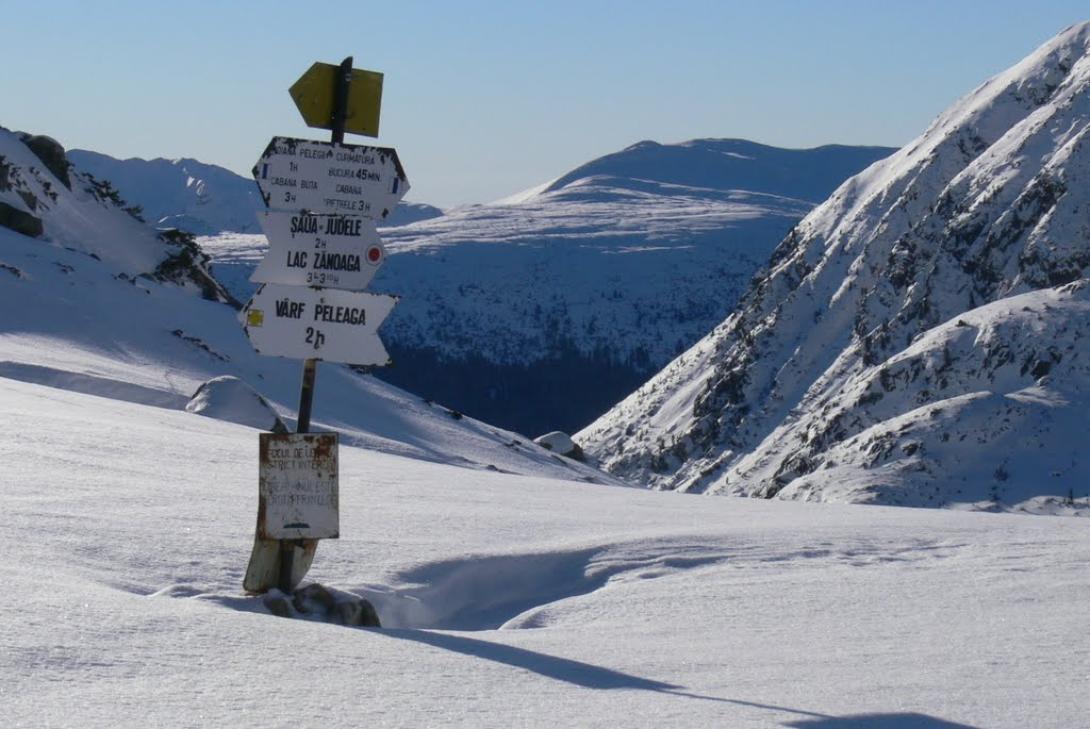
(52,155)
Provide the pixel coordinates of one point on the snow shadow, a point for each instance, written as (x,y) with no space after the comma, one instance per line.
(559,669)
(587,675)
(878,721)
(92,385)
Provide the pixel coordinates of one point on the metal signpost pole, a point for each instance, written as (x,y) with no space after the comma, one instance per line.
(310,366)
(340,110)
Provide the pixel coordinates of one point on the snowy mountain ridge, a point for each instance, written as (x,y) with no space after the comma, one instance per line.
(182,193)
(731,164)
(540,311)
(201,198)
(807,390)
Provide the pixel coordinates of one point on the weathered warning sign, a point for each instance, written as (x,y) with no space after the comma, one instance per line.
(297,486)
(335,251)
(321,324)
(314,91)
(327,177)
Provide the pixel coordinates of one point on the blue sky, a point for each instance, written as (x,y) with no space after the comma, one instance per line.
(484,99)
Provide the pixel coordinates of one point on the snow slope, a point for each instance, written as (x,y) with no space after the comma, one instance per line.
(507,600)
(919,338)
(181,193)
(201,198)
(81,312)
(75,218)
(540,311)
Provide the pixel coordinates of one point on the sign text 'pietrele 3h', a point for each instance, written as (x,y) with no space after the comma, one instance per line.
(299,174)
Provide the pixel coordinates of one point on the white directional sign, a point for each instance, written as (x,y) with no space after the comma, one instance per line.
(335,251)
(327,177)
(297,486)
(325,324)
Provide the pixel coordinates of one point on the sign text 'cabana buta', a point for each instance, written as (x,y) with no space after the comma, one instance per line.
(327,177)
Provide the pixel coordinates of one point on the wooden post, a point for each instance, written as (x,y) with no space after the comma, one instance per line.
(310,366)
(287,564)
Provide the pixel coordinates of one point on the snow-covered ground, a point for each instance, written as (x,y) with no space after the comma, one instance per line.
(507,600)
(516,587)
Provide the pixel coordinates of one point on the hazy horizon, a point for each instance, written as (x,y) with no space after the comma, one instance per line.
(484,100)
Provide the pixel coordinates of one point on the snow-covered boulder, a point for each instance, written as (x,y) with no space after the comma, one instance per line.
(229,398)
(560,443)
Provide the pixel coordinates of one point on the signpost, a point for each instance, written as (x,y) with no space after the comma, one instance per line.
(297,486)
(314,95)
(298,174)
(323,199)
(340,251)
(318,323)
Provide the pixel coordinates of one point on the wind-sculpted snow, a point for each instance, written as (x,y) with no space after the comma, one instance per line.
(540,311)
(989,203)
(506,600)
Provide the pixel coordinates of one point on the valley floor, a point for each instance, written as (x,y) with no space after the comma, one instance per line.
(507,600)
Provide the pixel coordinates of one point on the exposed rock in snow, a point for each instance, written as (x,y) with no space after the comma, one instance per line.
(321,603)
(42,197)
(20,221)
(918,338)
(51,153)
(229,398)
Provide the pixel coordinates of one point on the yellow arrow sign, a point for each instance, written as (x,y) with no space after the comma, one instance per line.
(313,94)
